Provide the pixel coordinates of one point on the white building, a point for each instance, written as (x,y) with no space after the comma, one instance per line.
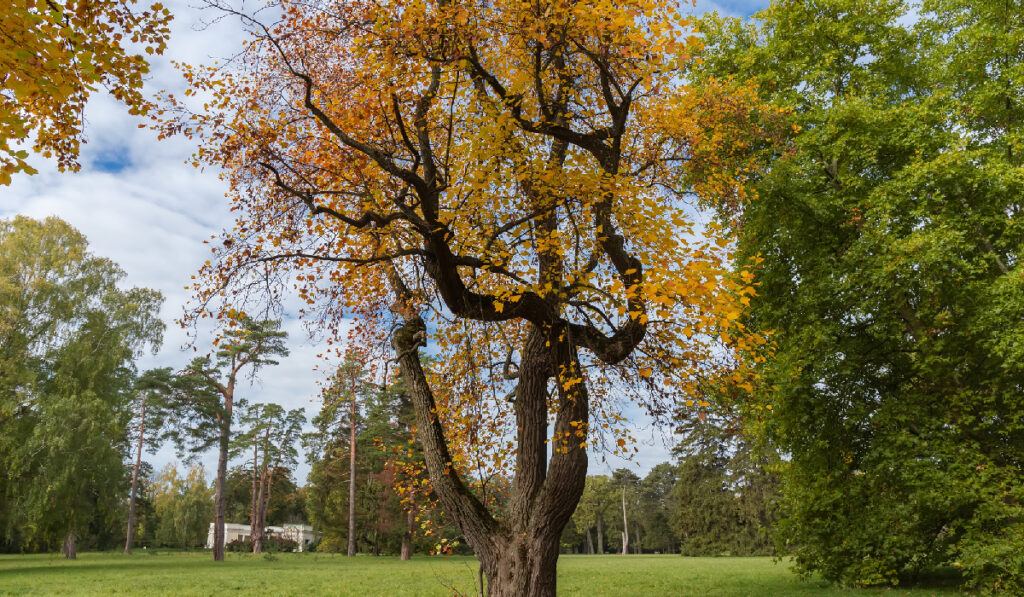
(301,534)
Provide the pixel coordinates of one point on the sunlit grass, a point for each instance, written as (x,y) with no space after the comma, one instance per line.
(172,573)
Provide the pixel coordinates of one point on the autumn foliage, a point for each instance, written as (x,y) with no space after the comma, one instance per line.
(521,187)
(53,54)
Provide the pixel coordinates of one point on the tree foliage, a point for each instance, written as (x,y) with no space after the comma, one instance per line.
(69,335)
(891,243)
(53,55)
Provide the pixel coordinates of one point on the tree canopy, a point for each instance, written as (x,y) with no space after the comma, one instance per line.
(890,244)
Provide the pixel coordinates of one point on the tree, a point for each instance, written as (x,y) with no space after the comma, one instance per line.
(508,181)
(149,388)
(206,398)
(592,507)
(183,507)
(69,335)
(53,55)
(625,481)
(891,244)
(270,433)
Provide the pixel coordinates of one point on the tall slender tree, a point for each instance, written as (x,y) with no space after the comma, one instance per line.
(269,435)
(207,398)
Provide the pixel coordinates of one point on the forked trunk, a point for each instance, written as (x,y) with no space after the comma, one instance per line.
(519,552)
(69,548)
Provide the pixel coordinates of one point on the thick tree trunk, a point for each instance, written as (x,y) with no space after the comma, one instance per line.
(135,478)
(69,548)
(218,500)
(600,534)
(625,525)
(352,478)
(410,520)
(518,554)
(590,542)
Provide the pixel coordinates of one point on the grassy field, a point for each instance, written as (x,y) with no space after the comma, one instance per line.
(172,573)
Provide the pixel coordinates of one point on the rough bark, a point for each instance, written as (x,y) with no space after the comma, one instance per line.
(518,554)
(135,478)
(69,548)
(352,478)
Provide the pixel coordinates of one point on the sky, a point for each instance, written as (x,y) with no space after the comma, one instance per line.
(141,205)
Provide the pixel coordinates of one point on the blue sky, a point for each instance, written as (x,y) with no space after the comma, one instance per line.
(140,204)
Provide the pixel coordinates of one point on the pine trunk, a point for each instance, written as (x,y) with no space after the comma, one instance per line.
(254,501)
(352,478)
(218,500)
(135,479)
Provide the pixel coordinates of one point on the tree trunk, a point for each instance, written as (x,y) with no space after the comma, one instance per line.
(69,548)
(218,500)
(264,506)
(600,534)
(352,478)
(135,479)
(625,525)
(590,542)
(410,520)
(519,553)
(254,501)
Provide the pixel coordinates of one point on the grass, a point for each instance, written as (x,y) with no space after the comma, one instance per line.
(171,573)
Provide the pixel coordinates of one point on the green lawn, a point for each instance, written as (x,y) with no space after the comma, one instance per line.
(172,573)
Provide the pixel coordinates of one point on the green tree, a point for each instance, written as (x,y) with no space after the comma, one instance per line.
(206,397)
(69,335)
(183,506)
(891,239)
(593,509)
(269,436)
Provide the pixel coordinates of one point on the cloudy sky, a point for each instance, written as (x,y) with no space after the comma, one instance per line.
(139,204)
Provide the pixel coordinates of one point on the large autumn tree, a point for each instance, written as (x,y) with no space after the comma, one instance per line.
(53,55)
(892,242)
(511,183)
